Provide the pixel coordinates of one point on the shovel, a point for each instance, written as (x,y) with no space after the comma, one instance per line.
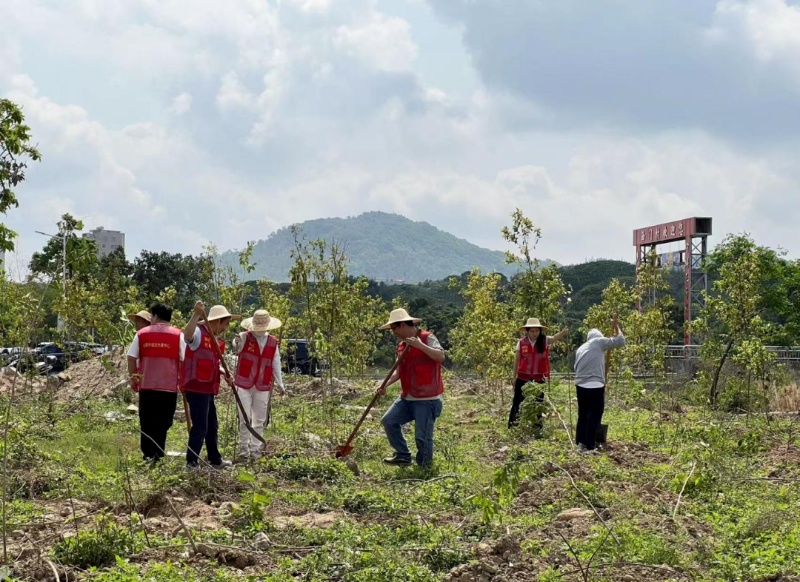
(222,361)
(347,448)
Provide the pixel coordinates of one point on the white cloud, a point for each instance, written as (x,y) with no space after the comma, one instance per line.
(233,95)
(769,29)
(224,125)
(385,43)
(181,104)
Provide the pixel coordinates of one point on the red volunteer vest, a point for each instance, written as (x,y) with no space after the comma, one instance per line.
(159,357)
(532,364)
(201,366)
(255,367)
(420,376)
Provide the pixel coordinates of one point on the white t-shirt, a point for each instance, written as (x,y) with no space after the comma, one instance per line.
(238,344)
(133,351)
(431,343)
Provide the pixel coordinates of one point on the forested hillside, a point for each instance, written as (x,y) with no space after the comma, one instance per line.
(380,246)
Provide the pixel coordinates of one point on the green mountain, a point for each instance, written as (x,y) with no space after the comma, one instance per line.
(384,247)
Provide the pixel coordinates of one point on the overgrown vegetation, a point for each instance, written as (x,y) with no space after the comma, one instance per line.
(699,479)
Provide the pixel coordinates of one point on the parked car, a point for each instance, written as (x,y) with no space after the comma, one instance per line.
(27,362)
(60,356)
(298,357)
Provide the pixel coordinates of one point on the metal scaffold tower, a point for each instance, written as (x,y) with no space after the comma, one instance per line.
(693,233)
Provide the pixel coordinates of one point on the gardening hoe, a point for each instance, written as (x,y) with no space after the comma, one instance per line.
(186,412)
(222,361)
(347,448)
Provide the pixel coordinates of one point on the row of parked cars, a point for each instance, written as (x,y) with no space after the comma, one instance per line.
(49,357)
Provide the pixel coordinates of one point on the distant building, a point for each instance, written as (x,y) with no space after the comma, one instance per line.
(107,240)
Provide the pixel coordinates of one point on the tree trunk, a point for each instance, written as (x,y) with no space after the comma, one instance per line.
(714,384)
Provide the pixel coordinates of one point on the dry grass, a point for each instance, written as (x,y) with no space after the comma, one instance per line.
(786,399)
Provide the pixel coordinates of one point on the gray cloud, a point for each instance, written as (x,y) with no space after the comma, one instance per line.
(726,66)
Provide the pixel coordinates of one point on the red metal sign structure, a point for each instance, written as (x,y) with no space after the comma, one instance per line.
(694,233)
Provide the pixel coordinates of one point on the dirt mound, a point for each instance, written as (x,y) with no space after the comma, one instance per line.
(21,384)
(99,377)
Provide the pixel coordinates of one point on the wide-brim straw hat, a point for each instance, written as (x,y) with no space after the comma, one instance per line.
(142,315)
(397,316)
(263,321)
(221,312)
(247,324)
(533,322)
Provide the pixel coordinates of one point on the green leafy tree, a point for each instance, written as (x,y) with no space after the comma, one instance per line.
(15,151)
(81,253)
(733,319)
(620,299)
(279,305)
(538,290)
(647,329)
(485,335)
(342,318)
(189,276)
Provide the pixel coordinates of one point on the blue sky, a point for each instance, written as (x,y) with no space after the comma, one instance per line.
(183,122)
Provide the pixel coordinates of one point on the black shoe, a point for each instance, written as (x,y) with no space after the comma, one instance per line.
(396,461)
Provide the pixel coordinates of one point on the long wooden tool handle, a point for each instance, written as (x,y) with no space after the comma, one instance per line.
(222,361)
(377,396)
(186,412)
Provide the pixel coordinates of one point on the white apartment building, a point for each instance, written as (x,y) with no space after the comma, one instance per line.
(107,240)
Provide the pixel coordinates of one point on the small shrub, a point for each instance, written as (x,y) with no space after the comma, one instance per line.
(96,548)
(309,469)
(366,502)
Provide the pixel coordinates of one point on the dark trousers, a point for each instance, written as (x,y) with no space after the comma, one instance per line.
(513,417)
(156,411)
(205,428)
(591,404)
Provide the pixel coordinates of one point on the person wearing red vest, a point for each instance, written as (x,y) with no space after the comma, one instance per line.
(257,370)
(421,389)
(154,366)
(201,379)
(532,364)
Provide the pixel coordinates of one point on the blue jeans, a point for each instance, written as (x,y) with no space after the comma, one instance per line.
(424,414)
(205,427)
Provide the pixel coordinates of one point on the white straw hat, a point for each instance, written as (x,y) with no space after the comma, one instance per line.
(221,312)
(533,322)
(247,324)
(397,316)
(142,315)
(262,321)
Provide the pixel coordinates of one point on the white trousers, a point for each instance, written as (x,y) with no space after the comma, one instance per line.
(255,404)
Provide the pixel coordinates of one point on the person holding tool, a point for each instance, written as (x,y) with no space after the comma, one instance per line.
(420,376)
(590,382)
(258,368)
(532,364)
(201,379)
(154,364)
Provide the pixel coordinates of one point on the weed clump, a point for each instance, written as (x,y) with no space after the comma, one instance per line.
(309,469)
(98,547)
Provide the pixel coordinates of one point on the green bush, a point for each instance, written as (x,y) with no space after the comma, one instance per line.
(309,469)
(96,548)
(365,502)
